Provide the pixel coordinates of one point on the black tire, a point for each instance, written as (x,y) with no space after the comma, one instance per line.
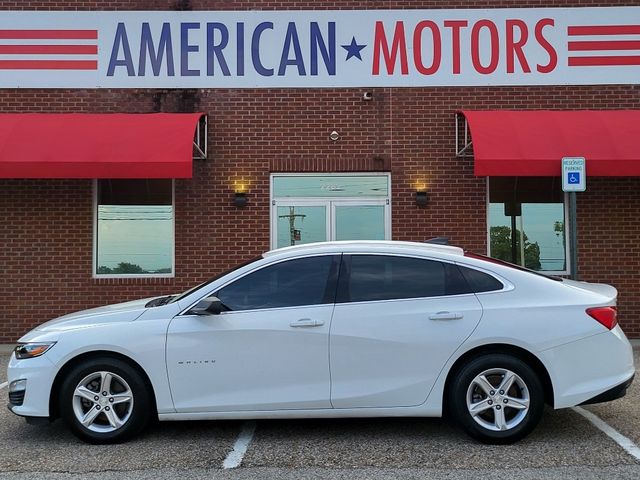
(123,379)
(515,421)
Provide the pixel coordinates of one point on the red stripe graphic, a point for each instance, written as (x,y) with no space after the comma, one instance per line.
(614,45)
(49,34)
(49,49)
(600,61)
(605,30)
(48,65)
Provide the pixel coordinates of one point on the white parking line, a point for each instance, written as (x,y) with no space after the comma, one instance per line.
(626,443)
(2,385)
(234,459)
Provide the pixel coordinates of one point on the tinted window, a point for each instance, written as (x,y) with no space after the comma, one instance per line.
(304,281)
(527,225)
(134,227)
(378,277)
(479,281)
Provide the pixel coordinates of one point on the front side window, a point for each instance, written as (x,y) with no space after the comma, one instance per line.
(527,224)
(303,281)
(380,277)
(134,227)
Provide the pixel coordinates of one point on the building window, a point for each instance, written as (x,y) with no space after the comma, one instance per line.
(527,222)
(134,231)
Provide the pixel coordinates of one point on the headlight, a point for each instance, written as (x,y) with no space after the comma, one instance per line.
(31,350)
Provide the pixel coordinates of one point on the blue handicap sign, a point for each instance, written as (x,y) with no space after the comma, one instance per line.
(573,178)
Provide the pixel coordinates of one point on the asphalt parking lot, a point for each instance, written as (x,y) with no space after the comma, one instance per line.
(565,445)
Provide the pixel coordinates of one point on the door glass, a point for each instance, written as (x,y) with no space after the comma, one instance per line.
(359,222)
(379,277)
(305,281)
(301,224)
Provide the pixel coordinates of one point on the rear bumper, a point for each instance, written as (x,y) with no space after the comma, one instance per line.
(583,370)
(614,393)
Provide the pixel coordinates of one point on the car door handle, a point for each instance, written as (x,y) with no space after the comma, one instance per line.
(307,322)
(446,316)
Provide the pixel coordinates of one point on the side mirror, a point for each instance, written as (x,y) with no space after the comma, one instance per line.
(208,306)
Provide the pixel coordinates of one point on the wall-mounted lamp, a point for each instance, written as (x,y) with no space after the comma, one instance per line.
(422,198)
(240,199)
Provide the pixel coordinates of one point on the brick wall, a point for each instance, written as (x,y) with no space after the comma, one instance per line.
(46,231)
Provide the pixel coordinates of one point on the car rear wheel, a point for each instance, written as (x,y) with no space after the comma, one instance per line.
(497,398)
(104,400)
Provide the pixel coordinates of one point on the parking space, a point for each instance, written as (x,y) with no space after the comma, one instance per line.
(624,414)
(564,445)
(405,443)
(52,448)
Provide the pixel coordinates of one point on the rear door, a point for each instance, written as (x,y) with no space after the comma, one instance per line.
(396,322)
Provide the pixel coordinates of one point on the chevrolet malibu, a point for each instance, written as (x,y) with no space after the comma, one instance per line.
(326,330)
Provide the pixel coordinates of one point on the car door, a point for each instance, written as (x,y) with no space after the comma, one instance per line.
(397,320)
(269,351)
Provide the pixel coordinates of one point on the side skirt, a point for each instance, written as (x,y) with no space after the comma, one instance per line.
(319,413)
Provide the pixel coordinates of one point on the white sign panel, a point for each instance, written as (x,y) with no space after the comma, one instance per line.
(574,174)
(345,48)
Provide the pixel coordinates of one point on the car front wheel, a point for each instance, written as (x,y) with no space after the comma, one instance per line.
(497,398)
(104,400)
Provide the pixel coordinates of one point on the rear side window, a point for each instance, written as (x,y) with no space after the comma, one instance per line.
(480,281)
(379,277)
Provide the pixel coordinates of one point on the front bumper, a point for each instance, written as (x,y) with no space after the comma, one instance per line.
(39,373)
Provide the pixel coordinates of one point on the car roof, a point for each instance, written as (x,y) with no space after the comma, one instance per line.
(373,246)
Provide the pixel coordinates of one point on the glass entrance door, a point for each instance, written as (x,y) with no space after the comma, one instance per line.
(297,223)
(316,208)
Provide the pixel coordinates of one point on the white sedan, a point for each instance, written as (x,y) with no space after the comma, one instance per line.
(339,329)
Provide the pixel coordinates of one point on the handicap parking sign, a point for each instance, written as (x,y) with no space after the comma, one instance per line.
(574,175)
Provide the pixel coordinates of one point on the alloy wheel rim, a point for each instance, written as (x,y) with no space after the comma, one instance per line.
(102,402)
(498,399)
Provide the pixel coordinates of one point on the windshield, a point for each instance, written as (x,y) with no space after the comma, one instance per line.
(213,279)
(510,265)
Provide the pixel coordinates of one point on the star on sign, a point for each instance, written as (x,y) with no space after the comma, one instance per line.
(353,49)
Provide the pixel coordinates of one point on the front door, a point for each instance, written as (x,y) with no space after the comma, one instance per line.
(268,352)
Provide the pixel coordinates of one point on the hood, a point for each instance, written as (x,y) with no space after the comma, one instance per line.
(120,312)
(600,288)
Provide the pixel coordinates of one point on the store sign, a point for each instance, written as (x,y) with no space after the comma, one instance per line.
(346,48)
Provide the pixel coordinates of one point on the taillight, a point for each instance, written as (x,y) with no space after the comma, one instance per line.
(607,316)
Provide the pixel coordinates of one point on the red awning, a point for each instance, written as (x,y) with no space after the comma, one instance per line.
(157,145)
(532,143)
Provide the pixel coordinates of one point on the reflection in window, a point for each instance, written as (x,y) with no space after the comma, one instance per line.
(287,284)
(527,222)
(380,277)
(299,225)
(134,227)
